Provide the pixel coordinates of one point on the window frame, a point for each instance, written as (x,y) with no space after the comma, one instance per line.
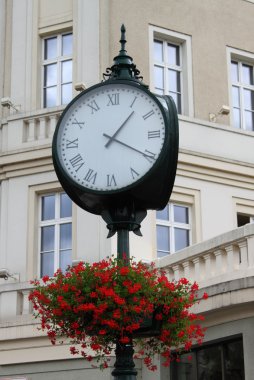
(33,242)
(166,66)
(56,222)
(241,58)
(58,61)
(184,42)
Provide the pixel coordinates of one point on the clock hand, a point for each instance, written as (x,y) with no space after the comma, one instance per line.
(118,130)
(130,147)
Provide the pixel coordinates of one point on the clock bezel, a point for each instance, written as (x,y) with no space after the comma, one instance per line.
(62,173)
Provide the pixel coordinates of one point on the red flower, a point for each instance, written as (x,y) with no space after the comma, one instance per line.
(205,296)
(124,271)
(45,279)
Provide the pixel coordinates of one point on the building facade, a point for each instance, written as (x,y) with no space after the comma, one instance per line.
(202,54)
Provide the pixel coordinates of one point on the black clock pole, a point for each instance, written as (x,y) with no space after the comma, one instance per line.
(122,221)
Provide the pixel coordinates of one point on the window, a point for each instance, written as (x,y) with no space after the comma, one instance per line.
(242,78)
(244,211)
(243,219)
(55,233)
(221,361)
(172,228)
(171,67)
(168,71)
(57,70)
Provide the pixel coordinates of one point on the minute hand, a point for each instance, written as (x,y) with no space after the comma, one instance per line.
(118,130)
(130,147)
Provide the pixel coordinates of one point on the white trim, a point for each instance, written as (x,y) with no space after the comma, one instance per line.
(186,57)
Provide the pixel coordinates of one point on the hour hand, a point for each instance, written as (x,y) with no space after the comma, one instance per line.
(148,155)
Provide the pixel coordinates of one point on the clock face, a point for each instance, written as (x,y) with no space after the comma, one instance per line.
(109,137)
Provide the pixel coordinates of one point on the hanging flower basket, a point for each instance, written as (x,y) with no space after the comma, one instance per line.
(96,305)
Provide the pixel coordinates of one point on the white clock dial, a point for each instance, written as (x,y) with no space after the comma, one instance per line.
(110,137)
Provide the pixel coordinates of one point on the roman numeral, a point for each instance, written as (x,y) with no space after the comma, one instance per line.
(72,144)
(111,181)
(90,176)
(133,102)
(149,156)
(77,162)
(79,123)
(113,100)
(154,134)
(94,106)
(134,174)
(148,114)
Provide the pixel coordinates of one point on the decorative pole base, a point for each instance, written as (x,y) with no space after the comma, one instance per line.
(124,365)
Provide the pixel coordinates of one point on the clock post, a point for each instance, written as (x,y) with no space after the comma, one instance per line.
(119,117)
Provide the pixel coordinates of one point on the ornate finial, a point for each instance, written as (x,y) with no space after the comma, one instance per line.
(123,40)
(123,67)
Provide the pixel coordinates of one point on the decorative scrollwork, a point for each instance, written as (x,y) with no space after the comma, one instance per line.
(123,66)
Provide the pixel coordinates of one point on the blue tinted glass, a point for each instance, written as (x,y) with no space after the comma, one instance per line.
(48,207)
(47,264)
(65,206)
(65,236)
(163,214)
(47,238)
(163,238)
(181,238)
(65,259)
(181,214)
(50,48)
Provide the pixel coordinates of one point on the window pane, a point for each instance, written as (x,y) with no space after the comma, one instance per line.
(65,259)
(247,72)
(235,96)
(177,100)
(173,55)
(248,99)
(47,264)
(249,120)
(174,81)
(158,51)
(67,44)
(236,118)
(50,75)
(209,363)
(50,97)
(65,206)
(163,214)
(163,238)
(234,361)
(234,72)
(47,238)
(65,235)
(66,93)
(181,214)
(48,207)
(158,77)
(66,71)
(185,369)
(50,48)
(181,238)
